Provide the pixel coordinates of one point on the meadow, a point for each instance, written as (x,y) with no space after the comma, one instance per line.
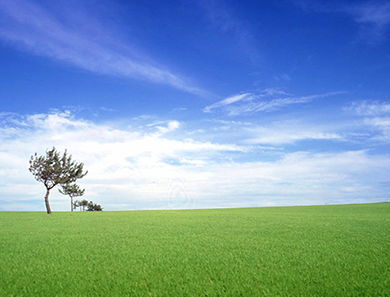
(341,250)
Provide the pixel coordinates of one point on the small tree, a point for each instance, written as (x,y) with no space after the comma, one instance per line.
(84,203)
(72,190)
(76,204)
(94,207)
(90,206)
(52,170)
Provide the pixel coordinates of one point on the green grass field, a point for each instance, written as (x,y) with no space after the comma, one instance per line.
(282,251)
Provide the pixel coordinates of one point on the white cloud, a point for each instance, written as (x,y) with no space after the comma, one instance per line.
(376,116)
(137,168)
(369,108)
(170,127)
(381,125)
(68,39)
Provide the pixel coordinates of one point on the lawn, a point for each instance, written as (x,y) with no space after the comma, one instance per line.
(330,250)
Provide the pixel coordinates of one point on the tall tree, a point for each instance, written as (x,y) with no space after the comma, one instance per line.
(72,190)
(53,169)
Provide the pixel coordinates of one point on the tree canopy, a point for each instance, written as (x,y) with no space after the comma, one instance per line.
(54,169)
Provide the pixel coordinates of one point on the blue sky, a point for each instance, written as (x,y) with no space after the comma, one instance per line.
(197,104)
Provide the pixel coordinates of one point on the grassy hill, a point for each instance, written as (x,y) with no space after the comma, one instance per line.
(339,250)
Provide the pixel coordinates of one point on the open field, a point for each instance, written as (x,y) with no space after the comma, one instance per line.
(285,251)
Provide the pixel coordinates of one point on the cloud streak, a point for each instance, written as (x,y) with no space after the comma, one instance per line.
(42,32)
(266,101)
(228,101)
(289,135)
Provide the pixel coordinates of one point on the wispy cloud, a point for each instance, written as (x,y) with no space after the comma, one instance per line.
(169,126)
(369,108)
(276,136)
(282,134)
(43,32)
(376,116)
(228,101)
(373,17)
(266,101)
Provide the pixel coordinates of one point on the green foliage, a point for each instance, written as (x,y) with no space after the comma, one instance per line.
(94,207)
(90,205)
(53,169)
(84,202)
(283,251)
(72,190)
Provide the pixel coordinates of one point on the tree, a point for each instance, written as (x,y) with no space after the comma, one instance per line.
(90,206)
(94,207)
(77,204)
(83,203)
(53,169)
(72,190)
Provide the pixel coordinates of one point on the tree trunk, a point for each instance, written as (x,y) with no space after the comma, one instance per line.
(71,203)
(47,202)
